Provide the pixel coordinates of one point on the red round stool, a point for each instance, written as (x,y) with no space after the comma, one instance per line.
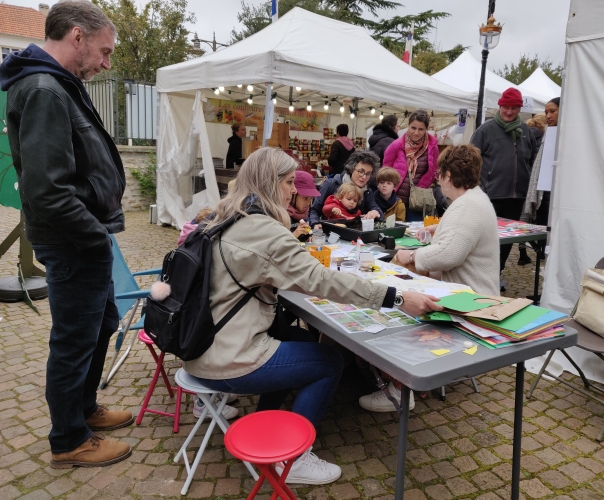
(267,437)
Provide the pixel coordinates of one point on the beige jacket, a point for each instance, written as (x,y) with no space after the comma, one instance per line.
(260,251)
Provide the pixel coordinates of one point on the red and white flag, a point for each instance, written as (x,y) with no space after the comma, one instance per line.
(408,56)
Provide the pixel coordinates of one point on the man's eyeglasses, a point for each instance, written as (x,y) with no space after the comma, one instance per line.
(363,173)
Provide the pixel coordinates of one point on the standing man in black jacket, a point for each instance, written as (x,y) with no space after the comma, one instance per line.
(71,182)
(508,150)
(383,135)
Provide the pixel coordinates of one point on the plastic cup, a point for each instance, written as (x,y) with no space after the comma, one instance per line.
(424,236)
(318,237)
(367,224)
(348,266)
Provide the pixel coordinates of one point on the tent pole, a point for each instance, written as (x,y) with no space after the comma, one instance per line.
(269,111)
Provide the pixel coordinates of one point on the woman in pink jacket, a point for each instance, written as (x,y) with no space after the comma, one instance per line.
(415,153)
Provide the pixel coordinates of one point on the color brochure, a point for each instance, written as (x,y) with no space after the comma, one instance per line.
(353,319)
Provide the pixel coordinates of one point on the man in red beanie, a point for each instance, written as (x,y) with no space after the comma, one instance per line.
(508,150)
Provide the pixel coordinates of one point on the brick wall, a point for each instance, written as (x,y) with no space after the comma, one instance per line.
(134,157)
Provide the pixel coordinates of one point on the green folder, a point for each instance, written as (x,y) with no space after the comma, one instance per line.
(436,316)
(408,241)
(466,302)
(519,319)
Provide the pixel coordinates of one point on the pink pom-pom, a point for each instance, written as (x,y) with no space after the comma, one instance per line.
(160,291)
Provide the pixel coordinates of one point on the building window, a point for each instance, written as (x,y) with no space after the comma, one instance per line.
(6,51)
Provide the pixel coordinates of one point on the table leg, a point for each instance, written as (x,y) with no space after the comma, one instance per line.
(537,270)
(516,453)
(402,443)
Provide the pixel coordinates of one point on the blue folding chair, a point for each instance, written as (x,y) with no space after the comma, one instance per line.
(129,297)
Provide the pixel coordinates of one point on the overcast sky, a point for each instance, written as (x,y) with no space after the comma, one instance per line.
(530,26)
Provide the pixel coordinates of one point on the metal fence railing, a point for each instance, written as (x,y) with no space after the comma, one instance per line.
(128,109)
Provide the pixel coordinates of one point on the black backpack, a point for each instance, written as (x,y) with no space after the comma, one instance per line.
(182,324)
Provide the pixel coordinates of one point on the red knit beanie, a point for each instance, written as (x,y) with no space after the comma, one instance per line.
(511,98)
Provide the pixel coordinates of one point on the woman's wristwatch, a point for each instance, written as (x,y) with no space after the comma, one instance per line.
(399,300)
(412,256)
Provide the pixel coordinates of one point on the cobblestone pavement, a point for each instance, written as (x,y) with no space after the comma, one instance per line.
(459,449)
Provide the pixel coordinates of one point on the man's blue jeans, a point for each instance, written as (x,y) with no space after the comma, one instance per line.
(84,316)
(313,368)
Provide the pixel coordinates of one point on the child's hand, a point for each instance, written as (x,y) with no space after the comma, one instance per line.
(303,228)
(372,214)
(336,211)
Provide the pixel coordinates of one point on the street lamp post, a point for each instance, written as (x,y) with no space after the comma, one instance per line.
(489,38)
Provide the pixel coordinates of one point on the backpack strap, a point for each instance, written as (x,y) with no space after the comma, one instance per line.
(244,300)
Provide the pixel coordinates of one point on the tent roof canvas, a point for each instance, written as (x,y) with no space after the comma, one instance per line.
(540,83)
(464,74)
(295,51)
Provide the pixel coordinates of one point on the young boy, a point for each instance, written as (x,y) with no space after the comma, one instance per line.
(344,204)
(385,197)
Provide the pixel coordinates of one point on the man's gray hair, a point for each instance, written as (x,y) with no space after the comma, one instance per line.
(67,14)
(368,158)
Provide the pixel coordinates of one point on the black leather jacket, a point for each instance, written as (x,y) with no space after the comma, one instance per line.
(71,178)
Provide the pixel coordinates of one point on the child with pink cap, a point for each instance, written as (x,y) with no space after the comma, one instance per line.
(299,207)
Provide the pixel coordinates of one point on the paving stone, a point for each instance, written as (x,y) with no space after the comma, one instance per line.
(459,486)
(446,470)
(371,487)
(344,491)
(423,474)
(465,464)
(439,492)
(577,472)
(555,479)
(486,457)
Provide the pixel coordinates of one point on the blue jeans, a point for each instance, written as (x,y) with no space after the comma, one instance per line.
(414,215)
(84,316)
(313,368)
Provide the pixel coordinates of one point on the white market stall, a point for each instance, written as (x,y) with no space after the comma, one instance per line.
(464,74)
(540,83)
(577,206)
(329,60)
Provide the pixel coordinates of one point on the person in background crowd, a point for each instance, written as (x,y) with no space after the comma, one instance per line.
(341,149)
(508,150)
(537,124)
(299,207)
(416,154)
(384,134)
(235,151)
(344,204)
(71,182)
(358,170)
(537,202)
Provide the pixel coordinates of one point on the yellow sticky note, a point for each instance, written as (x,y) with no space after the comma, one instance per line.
(389,271)
(472,350)
(440,352)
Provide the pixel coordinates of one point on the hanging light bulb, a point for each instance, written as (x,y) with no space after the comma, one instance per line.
(381,115)
(291,106)
(352,115)
(239,86)
(341,109)
(274,100)
(250,88)
(309,107)
(373,111)
(298,89)
(249,101)
(216,91)
(221,89)
(326,106)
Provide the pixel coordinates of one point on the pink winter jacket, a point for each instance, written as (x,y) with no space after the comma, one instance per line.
(394,157)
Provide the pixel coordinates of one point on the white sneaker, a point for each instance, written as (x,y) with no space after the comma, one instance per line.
(229,412)
(378,402)
(310,469)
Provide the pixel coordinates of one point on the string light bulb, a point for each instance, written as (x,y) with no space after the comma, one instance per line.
(216,91)
(250,101)
(325,106)
(373,111)
(309,107)
(291,106)
(221,89)
(341,109)
(352,115)
(239,86)
(250,88)
(381,115)
(298,89)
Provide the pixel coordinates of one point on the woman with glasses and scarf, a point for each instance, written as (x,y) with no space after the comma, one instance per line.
(415,155)
(358,170)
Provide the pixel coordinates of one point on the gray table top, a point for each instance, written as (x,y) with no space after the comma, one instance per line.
(507,240)
(431,374)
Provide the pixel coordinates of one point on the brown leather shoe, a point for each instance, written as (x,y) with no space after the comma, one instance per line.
(104,419)
(96,452)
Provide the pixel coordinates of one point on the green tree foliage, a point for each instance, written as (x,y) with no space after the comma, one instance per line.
(149,38)
(526,66)
(391,32)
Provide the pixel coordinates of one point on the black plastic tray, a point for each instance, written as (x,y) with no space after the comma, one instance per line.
(348,234)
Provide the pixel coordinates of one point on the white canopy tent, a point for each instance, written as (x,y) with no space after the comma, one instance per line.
(293,52)
(577,206)
(540,83)
(464,74)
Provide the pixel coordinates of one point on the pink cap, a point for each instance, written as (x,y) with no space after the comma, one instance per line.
(305,184)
